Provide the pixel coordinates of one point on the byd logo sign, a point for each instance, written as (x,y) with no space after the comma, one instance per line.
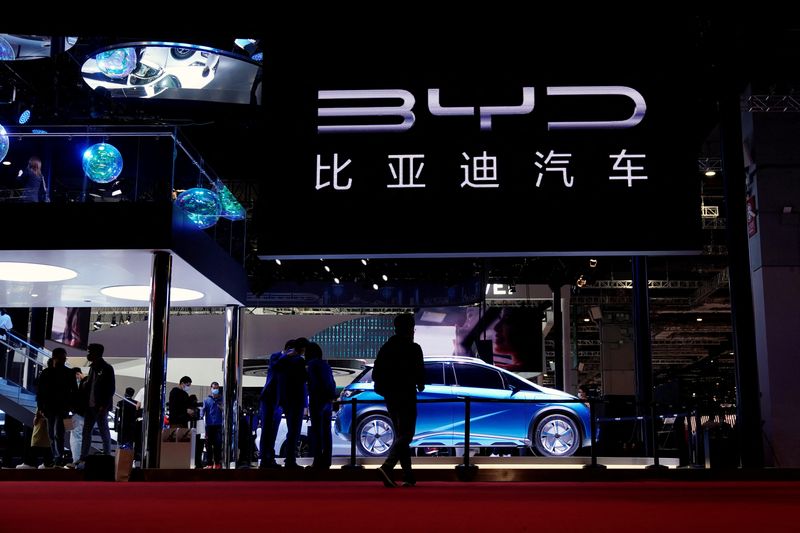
(405,111)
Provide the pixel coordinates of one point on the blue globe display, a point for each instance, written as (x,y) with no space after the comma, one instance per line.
(3,143)
(117,63)
(202,206)
(231,208)
(102,162)
(6,51)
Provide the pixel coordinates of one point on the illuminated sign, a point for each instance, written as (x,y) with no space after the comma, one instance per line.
(489,153)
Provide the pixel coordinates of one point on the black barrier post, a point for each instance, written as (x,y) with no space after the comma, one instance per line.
(353,465)
(466,471)
(593,426)
(654,439)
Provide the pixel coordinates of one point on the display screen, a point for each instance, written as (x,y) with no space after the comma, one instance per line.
(71,326)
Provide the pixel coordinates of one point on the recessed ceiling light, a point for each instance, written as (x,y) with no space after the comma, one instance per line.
(142,293)
(34,272)
(711,173)
(7,163)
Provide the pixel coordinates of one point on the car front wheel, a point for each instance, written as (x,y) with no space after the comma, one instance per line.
(556,435)
(375,435)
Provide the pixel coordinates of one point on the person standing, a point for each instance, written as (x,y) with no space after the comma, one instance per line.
(180,408)
(269,411)
(100,385)
(291,375)
(7,353)
(125,419)
(212,414)
(34,188)
(321,392)
(78,410)
(398,374)
(54,398)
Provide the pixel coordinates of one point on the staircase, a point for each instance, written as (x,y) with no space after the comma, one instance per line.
(20,366)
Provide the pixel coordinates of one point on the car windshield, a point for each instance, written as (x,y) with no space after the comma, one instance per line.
(365,376)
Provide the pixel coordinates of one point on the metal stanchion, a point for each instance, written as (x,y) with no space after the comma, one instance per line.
(656,465)
(353,465)
(466,471)
(593,425)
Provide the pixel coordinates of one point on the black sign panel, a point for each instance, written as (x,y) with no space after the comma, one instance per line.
(457,148)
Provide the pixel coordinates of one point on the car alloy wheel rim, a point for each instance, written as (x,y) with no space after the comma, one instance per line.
(557,437)
(377,437)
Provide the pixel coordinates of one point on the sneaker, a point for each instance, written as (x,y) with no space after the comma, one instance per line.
(48,465)
(409,483)
(384,476)
(24,466)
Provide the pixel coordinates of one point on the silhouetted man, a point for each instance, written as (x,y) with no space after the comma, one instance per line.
(398,374)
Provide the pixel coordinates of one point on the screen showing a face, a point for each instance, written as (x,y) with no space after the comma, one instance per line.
(507,337)
(71,326)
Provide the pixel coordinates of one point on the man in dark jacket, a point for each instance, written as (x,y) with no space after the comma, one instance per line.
(54,397)
(269,411)
(100,387)
(398,374)
(321,391)
(125,419)
(181,410)
(290,373)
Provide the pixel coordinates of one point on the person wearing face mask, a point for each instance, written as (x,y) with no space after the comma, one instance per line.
(180,409)
(212,414)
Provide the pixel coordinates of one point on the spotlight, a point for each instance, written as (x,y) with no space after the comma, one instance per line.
(711,173)
(336,280)
(278,261)
(24,117)
(385,277)
(327,268)
(592,263)
(364,262)
(375,286)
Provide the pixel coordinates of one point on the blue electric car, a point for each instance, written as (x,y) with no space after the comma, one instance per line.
(557,425)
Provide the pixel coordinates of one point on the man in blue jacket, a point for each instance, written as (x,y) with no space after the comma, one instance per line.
(212,413)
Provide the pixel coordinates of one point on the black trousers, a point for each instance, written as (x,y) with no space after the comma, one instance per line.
(403,412)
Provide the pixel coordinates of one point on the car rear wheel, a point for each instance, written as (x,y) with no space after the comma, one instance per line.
(556,435)
(375,435)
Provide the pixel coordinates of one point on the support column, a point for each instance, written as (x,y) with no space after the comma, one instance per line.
(156,362)
(748,408)
(643,362)
(557,336)
(232,385)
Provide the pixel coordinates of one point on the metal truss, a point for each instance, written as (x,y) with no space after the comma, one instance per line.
(720,281)
(772,103)
(706,164)
(651,284)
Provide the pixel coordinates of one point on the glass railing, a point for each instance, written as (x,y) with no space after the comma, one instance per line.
(120,164)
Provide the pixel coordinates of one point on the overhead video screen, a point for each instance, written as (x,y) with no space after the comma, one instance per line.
(459,149)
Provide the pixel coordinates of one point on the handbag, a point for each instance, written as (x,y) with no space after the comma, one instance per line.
(40,437)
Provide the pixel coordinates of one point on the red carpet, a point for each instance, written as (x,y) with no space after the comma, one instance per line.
(651,506)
